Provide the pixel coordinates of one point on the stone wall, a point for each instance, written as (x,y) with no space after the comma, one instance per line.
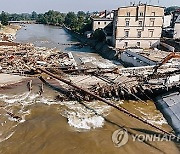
(101,47)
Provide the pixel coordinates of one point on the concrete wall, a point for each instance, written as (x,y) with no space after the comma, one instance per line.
(101,47)
(151,27)
(170,48)
(177,30)
(134,59)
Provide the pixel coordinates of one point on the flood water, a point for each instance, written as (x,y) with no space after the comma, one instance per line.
(47,125)
(56,37)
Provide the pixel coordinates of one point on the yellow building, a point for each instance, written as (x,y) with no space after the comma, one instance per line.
(137,26)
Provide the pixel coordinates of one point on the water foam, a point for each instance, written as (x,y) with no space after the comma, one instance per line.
(81,117)
(78,115)
(157,119)
(14,98)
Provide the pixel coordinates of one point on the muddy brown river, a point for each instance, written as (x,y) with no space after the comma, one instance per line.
(46,125)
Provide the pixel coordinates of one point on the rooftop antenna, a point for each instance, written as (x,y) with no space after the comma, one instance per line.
(158,2)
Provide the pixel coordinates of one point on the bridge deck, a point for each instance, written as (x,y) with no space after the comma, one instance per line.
(22,22)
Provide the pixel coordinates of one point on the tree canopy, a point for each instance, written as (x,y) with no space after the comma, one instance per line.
(51,18)
(79,21)
(4,18)
(170,9)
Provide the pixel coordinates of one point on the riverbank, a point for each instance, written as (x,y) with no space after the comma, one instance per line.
(10,29)
(102,48)
(8,33)
(8,79)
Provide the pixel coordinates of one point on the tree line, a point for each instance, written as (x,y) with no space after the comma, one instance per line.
(79,22)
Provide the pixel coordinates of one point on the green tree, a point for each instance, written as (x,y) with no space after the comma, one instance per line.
(34,15)
(71,21)
(41,19)
(78,22)
(170,9)
(86,26)
(4,18)
(81,13)
(51,18)
(99,35)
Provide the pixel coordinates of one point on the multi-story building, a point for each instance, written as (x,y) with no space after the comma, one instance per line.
(137,26)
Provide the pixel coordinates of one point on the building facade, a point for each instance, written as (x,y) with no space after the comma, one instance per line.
(137,26)
(100,23)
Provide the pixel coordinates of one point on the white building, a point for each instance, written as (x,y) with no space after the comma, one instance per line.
(177,28)
(167,21)
(101,23)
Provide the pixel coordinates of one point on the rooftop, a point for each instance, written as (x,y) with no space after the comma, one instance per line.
(135,5)
(102,19)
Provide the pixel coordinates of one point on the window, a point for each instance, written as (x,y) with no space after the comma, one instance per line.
(99,23)
(126,33)
(138,44)
(152,23)
(105,23)
(151,33)
(139,34)
(153,14)
(150,44)
(125,44)
(127,23)
(128,14)
(141,14)
(140,23)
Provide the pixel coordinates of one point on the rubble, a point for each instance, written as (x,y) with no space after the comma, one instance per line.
(20,58)
(126,83)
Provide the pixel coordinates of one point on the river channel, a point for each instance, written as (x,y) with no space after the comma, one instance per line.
(51,126)
(56,37)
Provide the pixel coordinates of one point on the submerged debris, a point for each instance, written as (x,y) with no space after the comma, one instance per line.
(22,58)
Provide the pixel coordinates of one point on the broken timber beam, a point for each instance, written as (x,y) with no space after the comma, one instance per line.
(107,102)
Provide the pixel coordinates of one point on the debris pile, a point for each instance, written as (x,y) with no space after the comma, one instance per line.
(20,58)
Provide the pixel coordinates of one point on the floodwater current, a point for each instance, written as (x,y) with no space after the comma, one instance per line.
(47,125)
